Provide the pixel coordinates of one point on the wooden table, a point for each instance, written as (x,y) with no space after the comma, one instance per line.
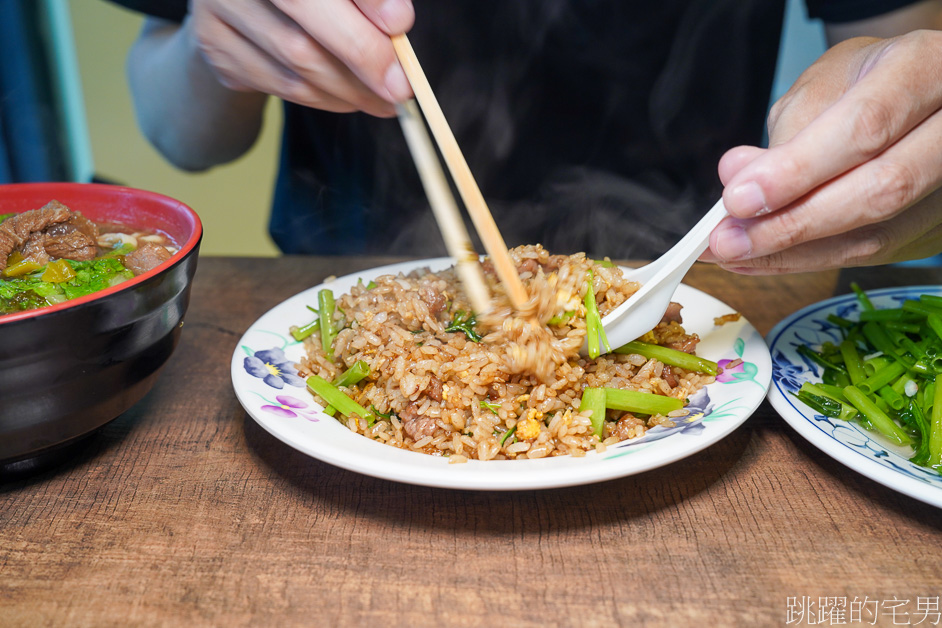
(183,511)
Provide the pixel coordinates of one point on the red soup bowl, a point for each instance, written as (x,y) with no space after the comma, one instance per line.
(68,369)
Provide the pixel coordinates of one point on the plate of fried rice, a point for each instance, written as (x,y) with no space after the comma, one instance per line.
(389,373)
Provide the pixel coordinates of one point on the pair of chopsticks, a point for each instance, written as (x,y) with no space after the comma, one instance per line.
(439,193)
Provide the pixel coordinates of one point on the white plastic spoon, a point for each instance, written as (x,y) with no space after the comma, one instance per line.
(644,309)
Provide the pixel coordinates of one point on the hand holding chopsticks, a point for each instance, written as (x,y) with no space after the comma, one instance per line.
(446,210)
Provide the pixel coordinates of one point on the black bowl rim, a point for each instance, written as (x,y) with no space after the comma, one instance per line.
(59,187)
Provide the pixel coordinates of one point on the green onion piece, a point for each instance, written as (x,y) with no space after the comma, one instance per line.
(892,398)
(507,435)
(639,402)
(876,334)
(852,361)
(862,297)
(671,357)
(931,299)
(877,417)
(914,349)
(874,364)
(882,377)
(914,417)
(920,307)
(336,398)
(921,367)
(878,400)
(604,263)
(934,322)
(935,427)
(594,399)
(908,328)
(325,309)
(883,315)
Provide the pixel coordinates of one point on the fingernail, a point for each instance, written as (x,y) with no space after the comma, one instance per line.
(748,199)
(396,15)
(708,257)
(396,83)
(732,243)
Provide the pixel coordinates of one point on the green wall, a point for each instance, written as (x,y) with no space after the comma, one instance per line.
(232,200)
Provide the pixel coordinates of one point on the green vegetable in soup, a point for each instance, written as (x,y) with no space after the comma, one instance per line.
(30,291)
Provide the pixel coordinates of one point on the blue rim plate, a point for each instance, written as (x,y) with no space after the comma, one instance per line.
(846,442)
(264,380)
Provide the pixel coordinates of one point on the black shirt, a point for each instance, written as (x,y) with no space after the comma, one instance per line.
(589,125)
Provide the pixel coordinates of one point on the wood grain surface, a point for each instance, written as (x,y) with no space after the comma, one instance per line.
(183,511)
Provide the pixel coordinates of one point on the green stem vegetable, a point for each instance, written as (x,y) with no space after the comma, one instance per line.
(671,357)
(325,309)
(337,399)
(853,362)
(877,417)
(639,402)
(594,399)
(595,333)
(935,427)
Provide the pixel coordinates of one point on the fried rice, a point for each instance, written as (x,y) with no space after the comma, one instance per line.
(515,393)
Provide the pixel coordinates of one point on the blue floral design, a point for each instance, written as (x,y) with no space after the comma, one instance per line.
(273,367)
(692,424)
(789,375)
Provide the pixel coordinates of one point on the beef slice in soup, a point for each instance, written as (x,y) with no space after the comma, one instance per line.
(147,256)
(17,231)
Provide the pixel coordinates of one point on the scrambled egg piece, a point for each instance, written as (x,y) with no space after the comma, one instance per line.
(527,429)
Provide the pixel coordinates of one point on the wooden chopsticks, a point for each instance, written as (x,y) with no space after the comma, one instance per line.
(443,206)
(461,174)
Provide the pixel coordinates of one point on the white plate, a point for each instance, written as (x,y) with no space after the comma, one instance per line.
(285,408)
(844,441)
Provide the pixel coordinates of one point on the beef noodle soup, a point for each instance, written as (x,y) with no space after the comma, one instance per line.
(53,254)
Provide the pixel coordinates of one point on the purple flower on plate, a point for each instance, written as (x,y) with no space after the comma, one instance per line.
(273,367)
(727,373)
(290,407)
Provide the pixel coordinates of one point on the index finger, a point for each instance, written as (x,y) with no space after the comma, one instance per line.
(892,95)
(356,34)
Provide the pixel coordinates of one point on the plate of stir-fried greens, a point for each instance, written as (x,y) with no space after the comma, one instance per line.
(860,376)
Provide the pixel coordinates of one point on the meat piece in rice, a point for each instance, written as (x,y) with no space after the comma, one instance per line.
(449,395)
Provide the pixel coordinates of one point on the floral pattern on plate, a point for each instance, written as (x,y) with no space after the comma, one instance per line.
(265,357)
(845,441)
